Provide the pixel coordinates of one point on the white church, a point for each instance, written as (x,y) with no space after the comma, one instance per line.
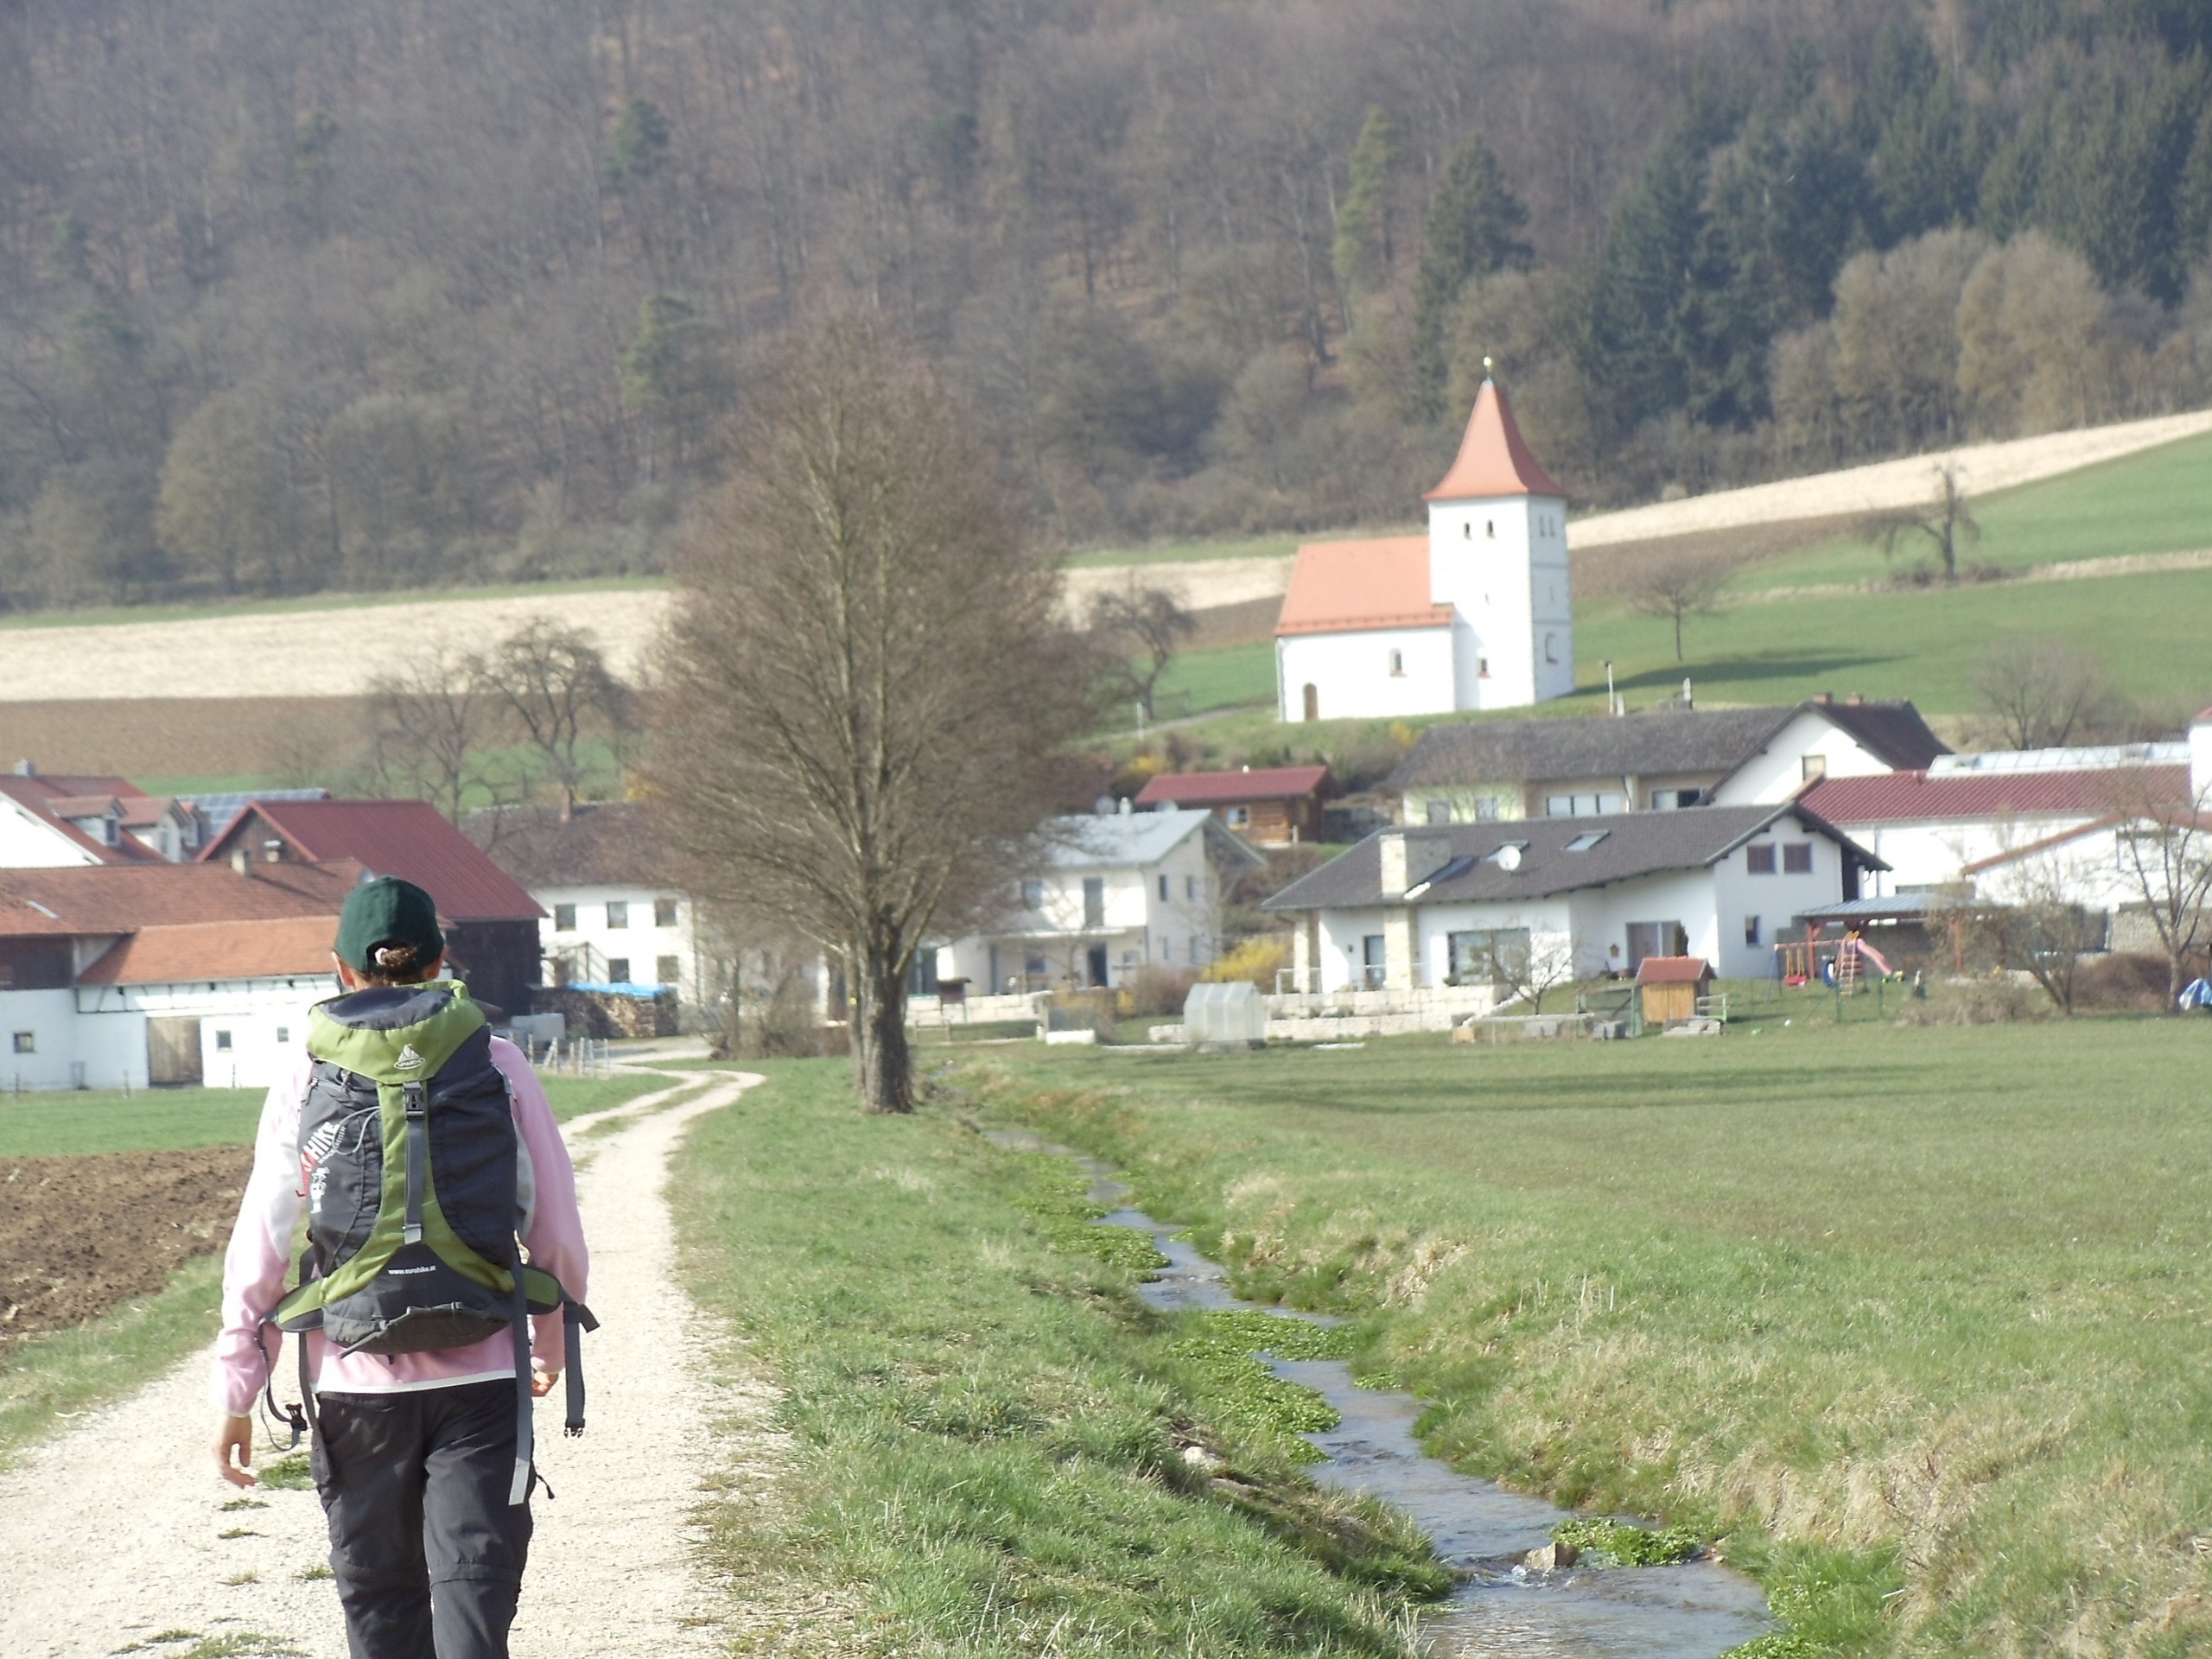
(1476,614)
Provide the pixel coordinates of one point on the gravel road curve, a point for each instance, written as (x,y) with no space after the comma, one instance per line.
(115,1532)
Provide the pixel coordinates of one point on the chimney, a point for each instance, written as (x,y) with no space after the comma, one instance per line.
(240,862)
(1125,808)
(1410,860)
(1689,697)
(25,769)
(1855,701)
(1823,699)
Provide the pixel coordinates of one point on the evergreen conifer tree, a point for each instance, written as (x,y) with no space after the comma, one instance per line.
(1364,252)
(1472,229)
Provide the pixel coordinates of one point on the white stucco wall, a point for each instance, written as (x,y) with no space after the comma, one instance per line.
(1181,929)
(1777,771)
(29,842)
(1923,854)
(102,1030)
(1352,672)
(643,941)
(1501,561)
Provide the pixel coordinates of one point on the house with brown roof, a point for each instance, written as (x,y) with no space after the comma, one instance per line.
(1269,806)
(1475,614)
(47,820)
(151,972)
(490,920)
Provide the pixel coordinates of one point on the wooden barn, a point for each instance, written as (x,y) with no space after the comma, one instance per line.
(1670,987)
(1270,806)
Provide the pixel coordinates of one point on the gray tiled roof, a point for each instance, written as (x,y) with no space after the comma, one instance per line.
(1633,844)
(1653,744)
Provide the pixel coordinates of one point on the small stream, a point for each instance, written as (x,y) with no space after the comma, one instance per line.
(1501,1610)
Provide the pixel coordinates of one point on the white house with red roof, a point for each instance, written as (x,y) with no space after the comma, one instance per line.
(1476,614)
(48,822)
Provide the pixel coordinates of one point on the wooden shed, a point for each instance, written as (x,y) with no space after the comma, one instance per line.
(1272,807)
(1670,987)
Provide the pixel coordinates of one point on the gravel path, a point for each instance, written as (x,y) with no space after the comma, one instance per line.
(114,1532)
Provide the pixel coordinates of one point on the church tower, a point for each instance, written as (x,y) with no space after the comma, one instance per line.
(1497,555)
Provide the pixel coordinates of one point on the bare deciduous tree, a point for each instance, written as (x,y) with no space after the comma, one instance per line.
(1944,520)
(431,728)
(2165,854)
(2043,692)
(1676,592)
(1138,632)
(866,689)
(2037,925)
(558,688)
(1534,970)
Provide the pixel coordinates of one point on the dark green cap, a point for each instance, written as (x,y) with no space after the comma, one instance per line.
(387,910)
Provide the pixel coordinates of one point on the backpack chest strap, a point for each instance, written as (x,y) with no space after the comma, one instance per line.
(418,1135)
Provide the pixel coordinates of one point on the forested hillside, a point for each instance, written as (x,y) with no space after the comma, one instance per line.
(297,296)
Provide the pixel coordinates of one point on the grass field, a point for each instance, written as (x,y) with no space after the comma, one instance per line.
(2157,501)
(1917,1321)
(58,1125)
(988,1427)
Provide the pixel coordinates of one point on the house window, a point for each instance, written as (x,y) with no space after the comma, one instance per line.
(1668,800)
(618,912)
(1374,959)
(1094,901)
(1032,895)
(283,1033)
(1586,840)
(564,918)
(1487,809)
(1490,527)
(667,969)
(1033,969)
(1600,805)
(27,1042)
(223,1040)
(1439,811)
(1814,765)
(1167,947)
(1191,888)
(1487,956)
(1467,531)
(664,912)
(1758,858)
(618,970)
(1398,665)
(1239,817)
(1194,949)
(1797,858)
(1551,647)
(1163,888)
(1751,929)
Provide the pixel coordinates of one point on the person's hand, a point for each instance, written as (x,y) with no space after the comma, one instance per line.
(541,1380)
(235,1433)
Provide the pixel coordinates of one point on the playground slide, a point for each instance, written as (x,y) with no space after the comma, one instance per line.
(1876,958)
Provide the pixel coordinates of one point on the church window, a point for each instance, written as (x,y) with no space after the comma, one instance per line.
(1490,526)
(1551,647)
(1482,667)
(1398,665)
(1467,531)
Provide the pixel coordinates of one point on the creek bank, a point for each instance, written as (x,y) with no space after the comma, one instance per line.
(1504,1607)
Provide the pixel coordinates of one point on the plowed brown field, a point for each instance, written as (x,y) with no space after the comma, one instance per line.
(80,1235)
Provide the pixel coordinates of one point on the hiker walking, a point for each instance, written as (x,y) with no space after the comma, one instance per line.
(422,1146)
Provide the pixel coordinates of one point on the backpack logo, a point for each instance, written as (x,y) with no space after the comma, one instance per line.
(409,1060)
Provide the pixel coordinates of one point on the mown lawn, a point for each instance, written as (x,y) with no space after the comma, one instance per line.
(988,1428)
(1916,1320)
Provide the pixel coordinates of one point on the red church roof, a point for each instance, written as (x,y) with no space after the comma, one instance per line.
(1494,459)
(1348,587)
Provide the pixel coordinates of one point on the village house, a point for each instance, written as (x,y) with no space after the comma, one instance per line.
(1578,897)
(55,822)
(1271,806)
(611,917)
(151,973)
(1116,890)
(1658,761)
(1475,614)
(490,923)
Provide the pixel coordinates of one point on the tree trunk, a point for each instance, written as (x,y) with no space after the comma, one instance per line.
(886,1065)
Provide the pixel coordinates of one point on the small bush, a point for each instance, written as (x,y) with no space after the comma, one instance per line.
(2125,980)
(1255,961)
(1977,1002)
(1153,991)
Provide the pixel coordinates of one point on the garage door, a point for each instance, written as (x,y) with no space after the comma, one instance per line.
(173,1051)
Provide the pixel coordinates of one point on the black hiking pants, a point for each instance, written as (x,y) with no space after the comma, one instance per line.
(427,1552)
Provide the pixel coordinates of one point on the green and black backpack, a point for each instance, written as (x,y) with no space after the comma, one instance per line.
(409,1155)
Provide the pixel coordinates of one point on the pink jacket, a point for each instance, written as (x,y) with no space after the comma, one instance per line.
(255,1266)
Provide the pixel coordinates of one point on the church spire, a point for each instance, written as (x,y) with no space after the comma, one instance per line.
(1494,459)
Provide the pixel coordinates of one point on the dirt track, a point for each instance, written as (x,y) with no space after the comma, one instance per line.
(120,1529)
(80,1235)
(293,655)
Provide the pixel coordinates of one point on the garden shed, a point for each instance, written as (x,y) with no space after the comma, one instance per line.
(1670,987)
